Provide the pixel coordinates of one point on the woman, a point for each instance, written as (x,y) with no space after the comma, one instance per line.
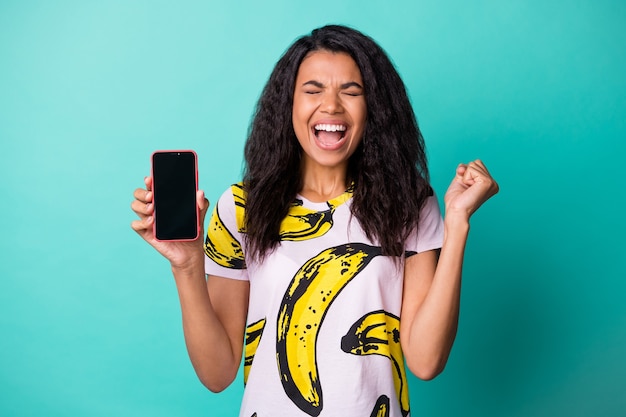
(331,255)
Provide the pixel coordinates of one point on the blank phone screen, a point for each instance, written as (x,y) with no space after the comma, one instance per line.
(174,186)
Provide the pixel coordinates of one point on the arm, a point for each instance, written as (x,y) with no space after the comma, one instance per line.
(213,311)
(214,318)
(432,279)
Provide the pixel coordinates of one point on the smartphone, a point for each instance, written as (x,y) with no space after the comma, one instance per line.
(174,186)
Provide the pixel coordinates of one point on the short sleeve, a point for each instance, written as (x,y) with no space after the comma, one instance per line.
(429,234)
(223,247)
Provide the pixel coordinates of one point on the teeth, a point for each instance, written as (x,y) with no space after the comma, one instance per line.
(330,128)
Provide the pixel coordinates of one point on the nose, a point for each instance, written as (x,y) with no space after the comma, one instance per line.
(331,103)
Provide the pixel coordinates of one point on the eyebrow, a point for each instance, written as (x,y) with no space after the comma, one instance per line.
(342,86)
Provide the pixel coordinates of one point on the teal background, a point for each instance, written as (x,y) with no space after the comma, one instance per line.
(89,315)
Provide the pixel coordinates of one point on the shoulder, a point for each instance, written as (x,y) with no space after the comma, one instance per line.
(429,233)
(232,205)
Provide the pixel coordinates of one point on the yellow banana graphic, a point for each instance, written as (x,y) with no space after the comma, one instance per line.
(378,333)
(239,195)
(225,251)
(300,223)
(337,201)
(253,337)
(381,409)
(309,295)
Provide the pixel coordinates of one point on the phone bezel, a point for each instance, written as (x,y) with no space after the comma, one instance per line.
(155,197)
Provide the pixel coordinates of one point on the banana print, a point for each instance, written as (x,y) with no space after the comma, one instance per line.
(309,295)
(226,251)
(381,409)
(239,196)
(253,337)
(300,223)
(378,333)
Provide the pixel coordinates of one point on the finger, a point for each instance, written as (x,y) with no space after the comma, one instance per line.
(480,167)
(142,208)
(460,170)
(480,174)
(140,226)
(483,167)
(479,163)
(148,182)
(142,195)
(201,200)
(475,166)
(470,175)
(203,205)
(493,185)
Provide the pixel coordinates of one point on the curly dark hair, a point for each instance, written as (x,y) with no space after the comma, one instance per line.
(388,169)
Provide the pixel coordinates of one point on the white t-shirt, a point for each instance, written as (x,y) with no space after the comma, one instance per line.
(322,336)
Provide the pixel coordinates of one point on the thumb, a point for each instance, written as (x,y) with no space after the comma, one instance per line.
(461,169)
(470,177)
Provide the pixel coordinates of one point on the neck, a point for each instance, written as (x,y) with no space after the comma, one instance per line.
(321,184)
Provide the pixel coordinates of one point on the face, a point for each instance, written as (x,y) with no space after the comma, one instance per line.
(329,110)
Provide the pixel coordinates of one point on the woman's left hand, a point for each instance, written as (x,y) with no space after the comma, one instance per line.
(470,188)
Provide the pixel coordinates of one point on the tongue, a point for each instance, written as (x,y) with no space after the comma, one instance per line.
(328,138)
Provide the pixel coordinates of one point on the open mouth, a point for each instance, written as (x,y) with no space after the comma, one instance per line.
(329,135)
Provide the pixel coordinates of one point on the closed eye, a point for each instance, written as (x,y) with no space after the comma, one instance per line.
(352,89)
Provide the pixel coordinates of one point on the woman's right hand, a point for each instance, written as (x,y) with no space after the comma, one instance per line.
(180,254)
(213,310)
